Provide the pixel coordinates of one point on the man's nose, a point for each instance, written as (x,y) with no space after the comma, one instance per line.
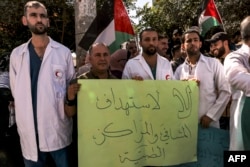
(151,42)
(102,57)
(39,18)
(193,42)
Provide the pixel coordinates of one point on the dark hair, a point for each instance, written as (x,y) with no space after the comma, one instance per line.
(130,41)
(146,29)
(162,36)
(177,31)
(237,33)
(34,4)
(175,48)
(189,31)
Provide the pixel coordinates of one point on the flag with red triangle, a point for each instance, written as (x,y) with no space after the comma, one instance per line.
(111,26)
(209,17)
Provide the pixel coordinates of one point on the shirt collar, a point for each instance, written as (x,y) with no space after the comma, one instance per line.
(96,77)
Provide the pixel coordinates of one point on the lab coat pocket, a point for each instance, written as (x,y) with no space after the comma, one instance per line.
(59,80)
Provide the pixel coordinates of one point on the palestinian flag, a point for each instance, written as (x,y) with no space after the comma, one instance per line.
(209,17)
(111,26)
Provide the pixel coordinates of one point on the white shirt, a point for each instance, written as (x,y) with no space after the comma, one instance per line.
(237,69)
(214,90)
(54,127)
(137,66)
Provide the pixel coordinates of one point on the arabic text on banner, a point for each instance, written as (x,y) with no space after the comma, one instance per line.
(127,123)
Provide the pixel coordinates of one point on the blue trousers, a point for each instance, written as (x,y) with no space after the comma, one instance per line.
(60,158)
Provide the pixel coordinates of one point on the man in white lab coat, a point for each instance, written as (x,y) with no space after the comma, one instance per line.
(40,71)
(214,90)
(149,65)
(237,68)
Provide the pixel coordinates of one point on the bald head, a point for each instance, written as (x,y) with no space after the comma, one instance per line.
(99,57)
(245,29)
(33,4)
(97,45)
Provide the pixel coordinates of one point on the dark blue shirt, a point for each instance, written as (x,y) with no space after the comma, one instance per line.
(35,64)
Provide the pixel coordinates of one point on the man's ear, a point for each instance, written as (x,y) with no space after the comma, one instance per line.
(140,43)
(24,20)
(90,58)
(182,46)
(225,43)
(48,22)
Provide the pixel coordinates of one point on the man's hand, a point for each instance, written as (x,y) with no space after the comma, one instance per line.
(192,79)
(205,121)
(196,80)
(73,90)
(138,78)
(70,106)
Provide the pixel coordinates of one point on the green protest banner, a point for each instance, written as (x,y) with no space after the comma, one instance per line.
(127,123)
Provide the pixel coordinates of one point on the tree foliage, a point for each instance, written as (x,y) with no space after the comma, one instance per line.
(62,22)
(13,33)
(167,15)
(130,4)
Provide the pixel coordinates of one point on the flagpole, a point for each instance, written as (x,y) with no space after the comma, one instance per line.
(220,17)
(209,17)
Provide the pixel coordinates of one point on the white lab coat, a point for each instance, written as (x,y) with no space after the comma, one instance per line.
(236,142)
(214,90)
(137,66)
(54,127)
(237,71)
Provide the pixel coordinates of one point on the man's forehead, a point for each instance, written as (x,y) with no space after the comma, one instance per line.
(191,35)
(100,49)
(149,34)
(164,40)
(32,9)
(99,46)
(216,42)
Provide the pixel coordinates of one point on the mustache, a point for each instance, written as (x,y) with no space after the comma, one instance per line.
(152,46)
(40,23)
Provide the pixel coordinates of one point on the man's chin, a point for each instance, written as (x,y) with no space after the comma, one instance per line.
(193,53)
(39,32)
(150,52)
(103,67)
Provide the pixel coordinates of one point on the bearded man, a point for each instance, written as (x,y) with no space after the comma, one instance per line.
(40,72)
(149,65)
(214,90)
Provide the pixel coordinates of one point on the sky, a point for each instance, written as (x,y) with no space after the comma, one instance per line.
(140,3)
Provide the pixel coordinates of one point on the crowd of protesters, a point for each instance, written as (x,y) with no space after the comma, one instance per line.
(38,88)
